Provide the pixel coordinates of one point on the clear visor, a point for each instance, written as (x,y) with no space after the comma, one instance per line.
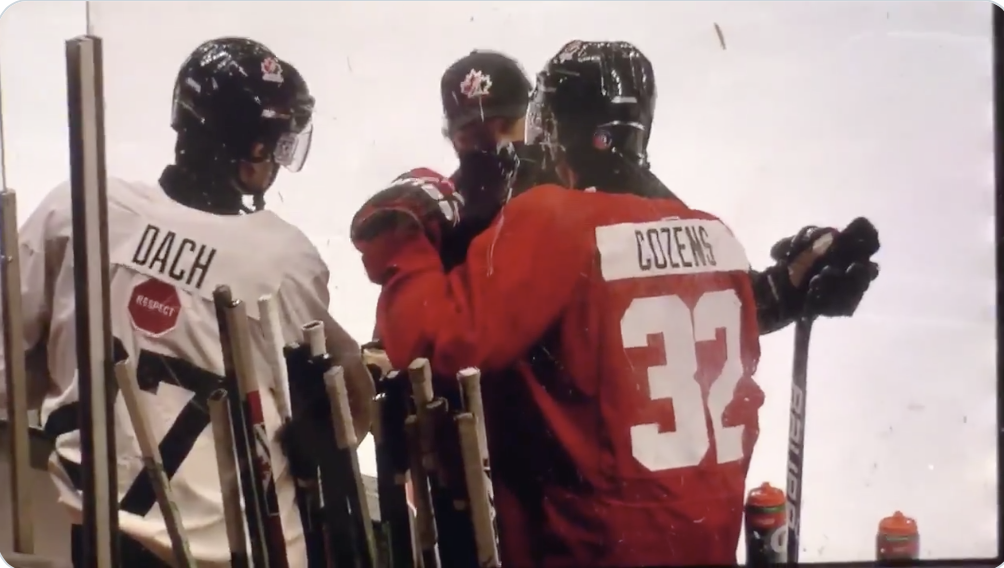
(292,148)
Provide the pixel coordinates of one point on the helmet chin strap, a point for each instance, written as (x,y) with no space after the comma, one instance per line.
(257,197)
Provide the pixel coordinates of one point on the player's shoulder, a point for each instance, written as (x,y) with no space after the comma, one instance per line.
(270,239)
(544,208)
(261,248)
(711,219)
(295,252)
(690,213)
(716,234)
(542,198)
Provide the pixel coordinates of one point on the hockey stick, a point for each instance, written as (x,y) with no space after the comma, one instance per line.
(307,494)
(470,388)
(268,314)
(442,459)
(249,482)
(345,438)
(390,410)
(346,509)
(95,359)
(425,515)
(477,472)
(257,435)
(859,240)
(226,465)
(15,373)
(796,435)
(152,463)
(477,491)
(339,546)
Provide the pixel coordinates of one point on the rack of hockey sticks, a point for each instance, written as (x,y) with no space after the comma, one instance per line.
(438,442)
(329,487)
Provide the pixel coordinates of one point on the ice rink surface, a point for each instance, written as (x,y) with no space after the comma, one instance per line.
(805,113)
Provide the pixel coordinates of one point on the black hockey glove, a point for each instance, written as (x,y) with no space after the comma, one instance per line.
(485,178)
(818,272)
(307,434)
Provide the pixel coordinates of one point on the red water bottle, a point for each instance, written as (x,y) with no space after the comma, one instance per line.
(897,540)
(766,526)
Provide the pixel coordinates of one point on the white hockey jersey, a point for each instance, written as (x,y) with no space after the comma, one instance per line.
(166,261)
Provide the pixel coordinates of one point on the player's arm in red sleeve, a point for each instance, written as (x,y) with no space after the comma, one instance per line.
(519,276)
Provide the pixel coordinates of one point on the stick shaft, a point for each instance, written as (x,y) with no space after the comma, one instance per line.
(257,435)
(796,436)
(150,450)
(15,375)
(242,436)
(394,514)
(420,375)
(470,385)
(268,312)
(477,491)
(425,516)
(314,338)
(345,438)
(226,464)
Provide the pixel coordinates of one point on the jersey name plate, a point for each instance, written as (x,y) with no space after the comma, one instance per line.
(668,247)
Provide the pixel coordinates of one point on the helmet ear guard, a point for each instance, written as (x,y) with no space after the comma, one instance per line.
(592,108)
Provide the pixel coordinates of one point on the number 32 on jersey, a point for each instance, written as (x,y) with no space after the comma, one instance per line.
(682,328)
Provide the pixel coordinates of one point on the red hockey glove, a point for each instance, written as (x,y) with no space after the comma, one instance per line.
(418,203)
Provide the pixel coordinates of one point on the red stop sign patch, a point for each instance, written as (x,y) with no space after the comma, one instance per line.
(154,307)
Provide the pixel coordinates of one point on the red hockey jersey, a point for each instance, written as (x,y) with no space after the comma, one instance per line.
(617,336)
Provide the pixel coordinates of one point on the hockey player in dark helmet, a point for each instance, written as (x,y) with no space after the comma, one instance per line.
(592,111)
(240,112)
(600,312)
(603,95)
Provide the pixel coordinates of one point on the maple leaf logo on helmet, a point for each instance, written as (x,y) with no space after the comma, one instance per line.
(476,85)
(271,70)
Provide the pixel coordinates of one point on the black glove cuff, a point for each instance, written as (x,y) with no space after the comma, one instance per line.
(298,439)
(310,409)
(778,302)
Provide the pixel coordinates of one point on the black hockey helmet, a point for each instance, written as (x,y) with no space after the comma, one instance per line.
(594,100)
(480,86)
(234,93)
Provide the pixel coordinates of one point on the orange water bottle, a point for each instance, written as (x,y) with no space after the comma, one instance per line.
(766,526)
(897,540)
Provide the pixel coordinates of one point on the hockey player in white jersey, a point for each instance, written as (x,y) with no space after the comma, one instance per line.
(240,112)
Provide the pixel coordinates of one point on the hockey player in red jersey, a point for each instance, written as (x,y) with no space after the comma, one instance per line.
(616,328)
